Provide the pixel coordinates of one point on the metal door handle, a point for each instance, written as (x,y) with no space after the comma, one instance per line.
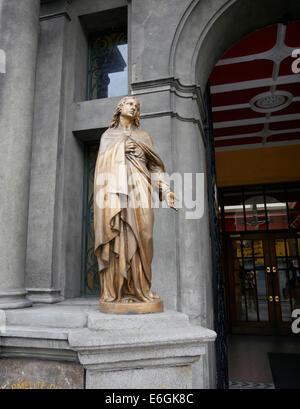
(276,298)
(268,269)
(270,298)
(274,269)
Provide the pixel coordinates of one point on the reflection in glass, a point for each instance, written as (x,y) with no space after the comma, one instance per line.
(250,281)
(255,208)
(108,60)
(276,208)
(240,304)
(258,248)
(248,263)
(291,247)
(287,259)
(281,263)
(293,196)
(293,201)
(91,281)
(262,207)
(259,262)
(294,219)
(247,248)
(262,295)
(280,248)
(236,246)
(233,210)
(286,286)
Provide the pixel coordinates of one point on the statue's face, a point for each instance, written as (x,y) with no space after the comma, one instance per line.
(129,108)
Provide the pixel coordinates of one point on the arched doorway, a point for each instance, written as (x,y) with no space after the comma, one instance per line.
(254,94)
(192,59)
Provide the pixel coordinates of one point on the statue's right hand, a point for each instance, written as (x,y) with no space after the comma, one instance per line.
(129,147)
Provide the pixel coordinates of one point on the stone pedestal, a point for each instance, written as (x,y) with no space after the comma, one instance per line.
(139,351)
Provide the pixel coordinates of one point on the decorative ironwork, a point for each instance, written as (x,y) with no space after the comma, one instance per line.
(91,282)
(219,306)
(105,58)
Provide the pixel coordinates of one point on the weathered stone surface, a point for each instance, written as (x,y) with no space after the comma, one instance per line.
(19,39)
(151,378)
(23,374)
(149,351)
(2,320)
(170,319)
(55,315)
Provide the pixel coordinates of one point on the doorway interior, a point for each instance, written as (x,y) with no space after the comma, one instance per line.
(261,249)
(255,105)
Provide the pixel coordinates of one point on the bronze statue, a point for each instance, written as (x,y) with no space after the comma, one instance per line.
(127,168)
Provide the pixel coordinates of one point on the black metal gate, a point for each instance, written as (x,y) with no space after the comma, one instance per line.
(219,305)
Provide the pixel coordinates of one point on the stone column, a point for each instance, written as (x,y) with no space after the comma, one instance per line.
(19,29)
(42,272)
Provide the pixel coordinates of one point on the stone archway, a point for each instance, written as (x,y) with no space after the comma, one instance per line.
(206,31)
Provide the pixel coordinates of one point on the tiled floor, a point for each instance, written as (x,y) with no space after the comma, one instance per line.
(248,358)
(250,385)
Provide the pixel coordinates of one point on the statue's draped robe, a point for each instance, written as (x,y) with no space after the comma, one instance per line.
(123,215)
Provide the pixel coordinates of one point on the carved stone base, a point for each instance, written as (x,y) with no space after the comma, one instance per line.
(12,299)
(44,295)
(131,307)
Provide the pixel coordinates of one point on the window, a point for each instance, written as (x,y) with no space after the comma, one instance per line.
(108,65)
(263,207)
(90,279)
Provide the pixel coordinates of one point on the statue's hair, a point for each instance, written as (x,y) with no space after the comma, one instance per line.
(116,118)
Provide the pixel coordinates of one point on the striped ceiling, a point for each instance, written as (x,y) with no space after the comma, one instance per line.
(255,94)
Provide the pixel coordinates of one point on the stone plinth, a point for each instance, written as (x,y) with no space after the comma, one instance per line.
(139,351)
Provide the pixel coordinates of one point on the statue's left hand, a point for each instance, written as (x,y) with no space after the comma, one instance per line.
(170,199)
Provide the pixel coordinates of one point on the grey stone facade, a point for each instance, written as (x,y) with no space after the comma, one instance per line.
(45,122)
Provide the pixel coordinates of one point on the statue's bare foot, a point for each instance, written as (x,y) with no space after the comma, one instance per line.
(141,297)
(153,295)
(107,298)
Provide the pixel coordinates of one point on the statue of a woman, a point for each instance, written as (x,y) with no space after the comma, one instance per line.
(126,172)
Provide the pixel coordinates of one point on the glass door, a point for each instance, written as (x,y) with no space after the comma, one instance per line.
(250,282)
(264,281)
(285,251)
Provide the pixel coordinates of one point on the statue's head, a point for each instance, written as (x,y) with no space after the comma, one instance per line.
(129,107)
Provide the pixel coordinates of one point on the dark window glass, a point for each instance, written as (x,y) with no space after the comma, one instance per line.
(108,63)
(90,282)
(233,210)
(261,207)
(293,201)
(276,208)
(255,208)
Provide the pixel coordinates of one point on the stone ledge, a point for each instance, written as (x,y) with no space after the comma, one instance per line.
(102,321)
(86,339)
(55,315)
(33,332)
